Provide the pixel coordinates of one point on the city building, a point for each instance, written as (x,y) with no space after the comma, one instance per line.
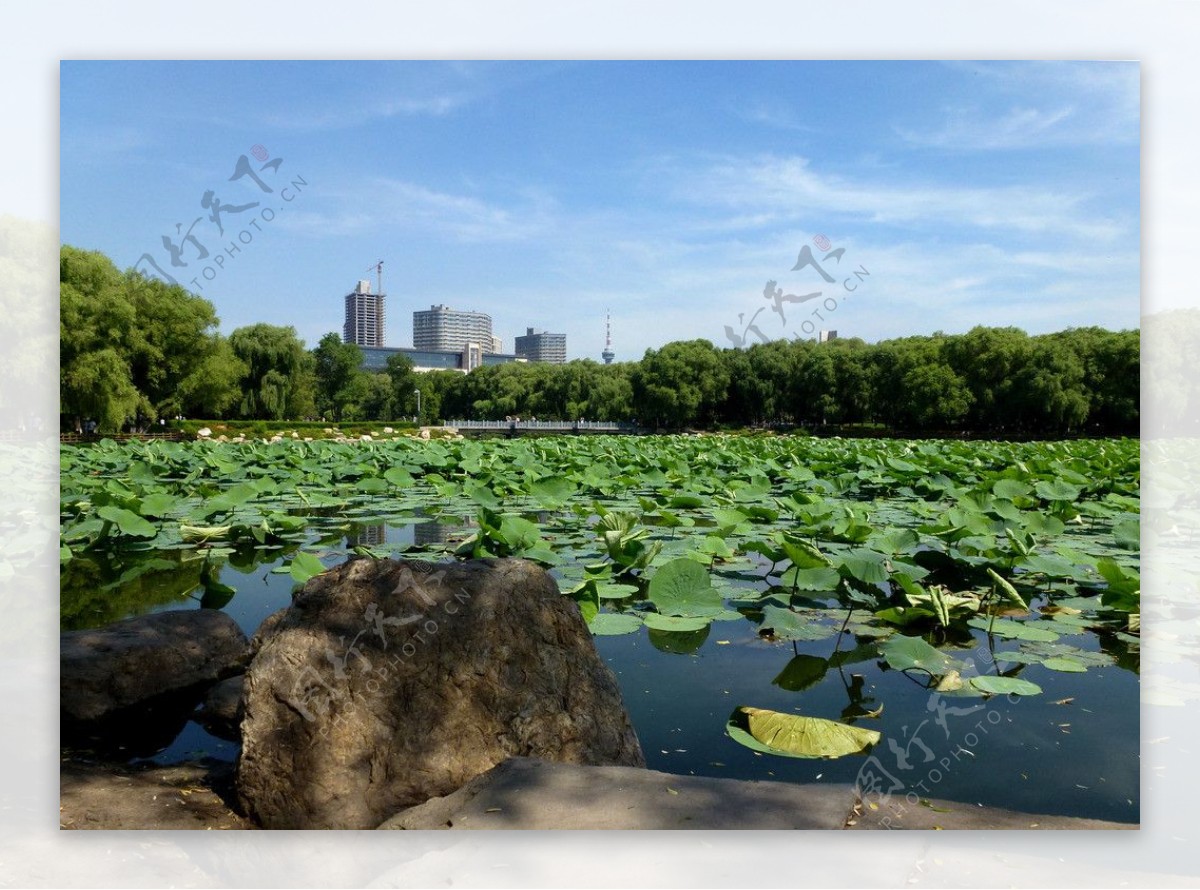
(539,346)
(826,336)
(470,357)
(442,329)
(497,344)
(364,316)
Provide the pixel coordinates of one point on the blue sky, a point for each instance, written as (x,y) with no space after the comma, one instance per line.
(545,193)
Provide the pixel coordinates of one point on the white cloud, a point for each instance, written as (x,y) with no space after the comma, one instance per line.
(775,190)
(972,129)
(463,217)
(90,144)
(348,115)
(1038,105)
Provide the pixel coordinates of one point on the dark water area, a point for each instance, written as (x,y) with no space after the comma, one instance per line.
(1070,751)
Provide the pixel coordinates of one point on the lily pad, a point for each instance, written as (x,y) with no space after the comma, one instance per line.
(1067,665)
(1005,685)
(863,565)
(683,587)
(158,504)
(906,653)
(1057,491)
(616,591)
(305,566)
(128,522)
(822,578)
(791,735)
(1016,630)
(674,623)
(612,624)
(785,624)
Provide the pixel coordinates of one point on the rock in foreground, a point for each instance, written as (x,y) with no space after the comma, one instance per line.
(528,793)
(524,793)
(183,796)
(391,682)
(132,661)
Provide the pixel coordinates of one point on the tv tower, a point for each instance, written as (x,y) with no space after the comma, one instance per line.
(608,355)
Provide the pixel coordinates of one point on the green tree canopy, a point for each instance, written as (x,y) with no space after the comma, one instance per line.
(337,367)
(133,348)
(280,380)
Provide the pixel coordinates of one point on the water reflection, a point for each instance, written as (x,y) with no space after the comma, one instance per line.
(99,588)
(368,536)
(427,533)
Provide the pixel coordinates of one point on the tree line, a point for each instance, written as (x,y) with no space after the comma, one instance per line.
(135,349)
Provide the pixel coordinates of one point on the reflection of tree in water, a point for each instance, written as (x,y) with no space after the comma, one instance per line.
(98,590)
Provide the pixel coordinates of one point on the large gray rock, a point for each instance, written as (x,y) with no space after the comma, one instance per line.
(391,682)
(106,669)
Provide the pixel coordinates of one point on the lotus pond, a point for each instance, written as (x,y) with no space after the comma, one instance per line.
(930,619)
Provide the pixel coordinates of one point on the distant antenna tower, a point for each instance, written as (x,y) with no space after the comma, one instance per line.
(608,355)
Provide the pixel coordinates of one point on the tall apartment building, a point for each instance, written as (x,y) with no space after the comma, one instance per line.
(364,316)
(442,328)
(539,346)
(826,336)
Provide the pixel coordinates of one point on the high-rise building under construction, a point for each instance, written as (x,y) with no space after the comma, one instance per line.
(364,316)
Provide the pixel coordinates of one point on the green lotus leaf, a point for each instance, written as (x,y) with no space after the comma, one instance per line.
(611,624)
(792,735)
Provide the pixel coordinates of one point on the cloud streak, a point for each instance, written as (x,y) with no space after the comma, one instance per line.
(1049,104)
(771,190)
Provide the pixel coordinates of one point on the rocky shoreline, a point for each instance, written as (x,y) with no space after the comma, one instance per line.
(406,695)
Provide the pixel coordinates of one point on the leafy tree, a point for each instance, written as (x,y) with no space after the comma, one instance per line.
(211,389)
(171,345)
(936,397)
(403,381)
(854,384)
(95,318)
(96,385)
(681,384)
(990,362)
(814,387)
(337,367)
(378,399)
(439,389)
(133,349)
(1053,394)
(280,380)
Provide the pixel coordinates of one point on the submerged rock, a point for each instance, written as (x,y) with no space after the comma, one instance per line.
(107,669)
(221,713)
(391,682)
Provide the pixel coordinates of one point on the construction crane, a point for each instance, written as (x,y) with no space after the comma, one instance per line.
(378,269)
